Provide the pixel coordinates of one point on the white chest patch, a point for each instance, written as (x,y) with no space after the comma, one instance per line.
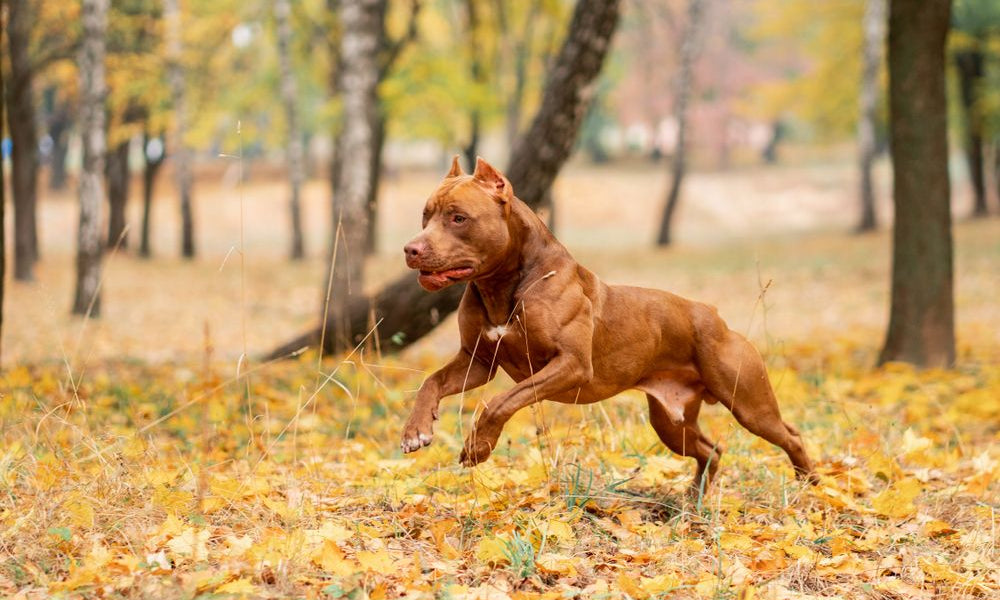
(495,333)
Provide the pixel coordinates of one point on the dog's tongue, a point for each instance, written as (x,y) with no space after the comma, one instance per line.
(441,278)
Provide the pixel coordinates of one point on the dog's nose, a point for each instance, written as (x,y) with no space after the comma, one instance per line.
(414,249)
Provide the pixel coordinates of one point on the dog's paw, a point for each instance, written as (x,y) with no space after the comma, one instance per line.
(475,451)
(416,436)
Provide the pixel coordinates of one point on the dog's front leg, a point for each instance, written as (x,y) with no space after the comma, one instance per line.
(564,373)
(462,373)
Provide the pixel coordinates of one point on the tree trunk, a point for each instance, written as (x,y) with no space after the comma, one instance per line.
(921,320)
(996,165)
(3,205)
(471,149)
(182,154)
(371,237)
(118,180)
(970,79)
(296,152)
(682,95)
(153,162)
(406,310)
(874,38)
(94,16)
(770,152)
(24,137)
(60,123)
(519,50)
(361,22)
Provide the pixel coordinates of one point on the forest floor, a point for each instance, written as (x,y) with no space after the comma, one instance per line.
(149,454)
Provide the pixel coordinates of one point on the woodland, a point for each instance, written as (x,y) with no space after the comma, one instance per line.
(210,341)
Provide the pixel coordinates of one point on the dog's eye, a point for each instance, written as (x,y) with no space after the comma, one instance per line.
(458,219)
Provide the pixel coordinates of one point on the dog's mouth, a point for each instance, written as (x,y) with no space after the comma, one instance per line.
(436,280)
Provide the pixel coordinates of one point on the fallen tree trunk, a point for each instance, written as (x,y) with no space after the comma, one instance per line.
(403,311)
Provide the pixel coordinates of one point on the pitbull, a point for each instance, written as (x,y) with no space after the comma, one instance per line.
(564,335)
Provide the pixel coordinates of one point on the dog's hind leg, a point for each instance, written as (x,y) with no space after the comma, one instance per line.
(686,439)
(734,373)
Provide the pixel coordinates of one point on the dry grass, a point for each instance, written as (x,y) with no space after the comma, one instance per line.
(136,461)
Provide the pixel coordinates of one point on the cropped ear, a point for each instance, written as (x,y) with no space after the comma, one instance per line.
(493,180)
(456,168)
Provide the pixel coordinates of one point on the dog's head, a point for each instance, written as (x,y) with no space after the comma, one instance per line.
(465,228)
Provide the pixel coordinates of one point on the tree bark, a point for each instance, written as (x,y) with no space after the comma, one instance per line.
(970,70)
(518,50)
(24,138)
(361,22)
(149,172)
(874,38)
(471,149)
(921,320)
(60,122)
(682,95)
(118,180)
(406,310)
(94,15)
(3,204)
(996,164)
(182,154)
(295,151)
(371,207)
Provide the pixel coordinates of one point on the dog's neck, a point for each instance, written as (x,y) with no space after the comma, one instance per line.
(530,259)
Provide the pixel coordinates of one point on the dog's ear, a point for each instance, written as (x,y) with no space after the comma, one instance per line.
(493,180)
(456,168)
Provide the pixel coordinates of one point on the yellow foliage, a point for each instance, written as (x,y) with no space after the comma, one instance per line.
(186,508)
(897,500)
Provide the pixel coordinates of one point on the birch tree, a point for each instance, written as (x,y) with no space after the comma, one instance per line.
(94,17)
(361,22)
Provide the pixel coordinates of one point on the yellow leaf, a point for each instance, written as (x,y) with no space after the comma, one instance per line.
(556,564)
(81,512)
(880,464)
(329,530)
(158,477)
(735,541)
(376,562)
(331,559)
(243,587)
(660,584)
(559,531)
(844,564)
(799,552)
(896,501)
(280,508)
(914,443)
(935,528)
(439,531)
(173,500)
(934,571)
(190,543)
(171,526)
(627,584)
(491,551)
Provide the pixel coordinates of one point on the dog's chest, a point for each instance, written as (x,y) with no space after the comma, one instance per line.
(507,346)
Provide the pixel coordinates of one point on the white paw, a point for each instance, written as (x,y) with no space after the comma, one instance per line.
(412,444)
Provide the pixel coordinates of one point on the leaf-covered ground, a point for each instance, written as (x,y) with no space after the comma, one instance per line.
(286,481)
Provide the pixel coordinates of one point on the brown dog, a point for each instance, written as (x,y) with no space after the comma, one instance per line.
(564,335)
